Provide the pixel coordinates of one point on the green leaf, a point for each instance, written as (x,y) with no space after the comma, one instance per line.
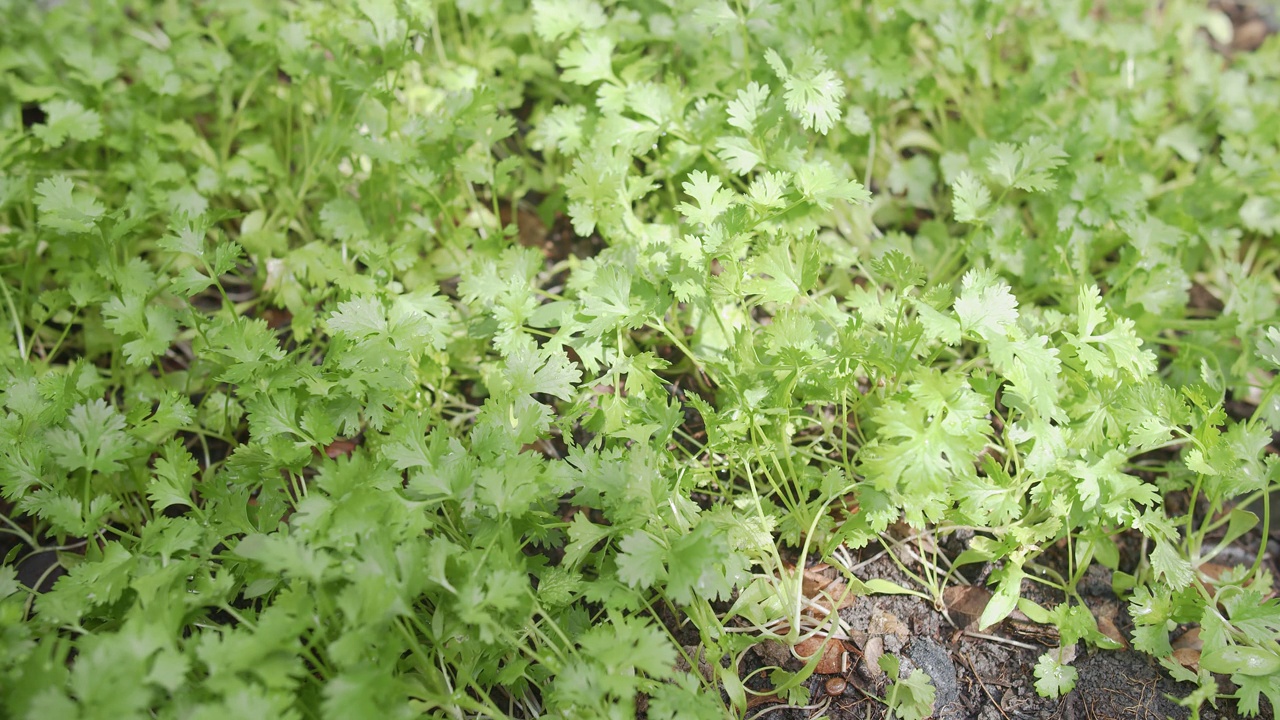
(341,218)
(383,19)
(560,129)
(557,19)
(187,237)
(641,560)
(768,190)
(700,564)
(890,664)
(286,555)
(8,581)
(175,472)
(558,376)
(819,184)
(93,439)
(711,197)
(583,535)
(812,93)
(1241,660)
(738,154)
(746,109)
(587,60)
(986,306)
(359,317)
(899,270)
(67,119)
(1256,617)
(1106,354)
(970,198)
(1005,598)
(909,698)
(1262,215)
(1170,565)
(1028,166)
(550,372)
(65,209)
(880,586)
(780,277)
(1054,679)
(1269,347)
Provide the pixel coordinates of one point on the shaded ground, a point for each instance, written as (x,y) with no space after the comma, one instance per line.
(989,675)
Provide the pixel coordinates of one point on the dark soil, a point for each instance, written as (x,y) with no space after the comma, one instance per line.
(991,677)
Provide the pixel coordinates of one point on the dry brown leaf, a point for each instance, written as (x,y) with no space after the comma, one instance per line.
(1212,571)
(1188,658)
(1107,627)
(1109,610)
(825,587)
(834,654)
(339,448)
(859,637)
(814,579)
(919,542)
(774,652)
(757,700)
(277,319)
(965,603)
(871,654)
(886,623)
(1065,654)
(1189,640)
(1250,35)
(707,672)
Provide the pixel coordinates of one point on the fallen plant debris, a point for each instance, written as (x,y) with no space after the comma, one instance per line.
(613,359)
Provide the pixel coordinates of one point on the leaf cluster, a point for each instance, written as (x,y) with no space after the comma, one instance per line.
(400,359)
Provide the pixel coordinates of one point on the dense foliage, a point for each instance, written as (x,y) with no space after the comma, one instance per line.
(387,358)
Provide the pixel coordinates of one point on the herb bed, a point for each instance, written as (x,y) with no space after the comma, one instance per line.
(633,359)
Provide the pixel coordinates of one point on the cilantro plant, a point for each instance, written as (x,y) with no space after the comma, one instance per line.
(909,698)
(397,359)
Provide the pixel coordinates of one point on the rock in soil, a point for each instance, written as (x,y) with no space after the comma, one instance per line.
(936,662)
(978,678)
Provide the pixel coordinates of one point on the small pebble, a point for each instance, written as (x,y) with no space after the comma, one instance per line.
(836,686)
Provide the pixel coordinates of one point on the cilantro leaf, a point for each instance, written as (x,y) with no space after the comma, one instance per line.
(342,219)
(812,92)
(93,439)
(174,478)
(985,305)
(738,154)
(1108,353)
(713,199)
(550,372)
(641,560)
(970,198)
(781,277)
(67,119)
(1054,678)
(587,60)
(1028,166)
(65,209)
(819,184)
(746,108)
(557,19)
